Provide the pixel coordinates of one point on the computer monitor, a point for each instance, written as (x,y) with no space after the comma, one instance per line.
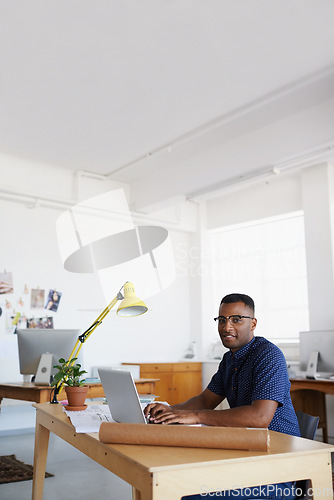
(317,353)
(33,343)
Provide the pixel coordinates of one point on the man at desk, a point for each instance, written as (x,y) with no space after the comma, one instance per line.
(252,376)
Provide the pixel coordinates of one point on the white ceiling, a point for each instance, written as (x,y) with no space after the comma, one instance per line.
(186,94)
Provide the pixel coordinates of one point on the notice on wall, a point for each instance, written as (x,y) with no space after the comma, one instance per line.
(37,298)
(53,300)
(6,283)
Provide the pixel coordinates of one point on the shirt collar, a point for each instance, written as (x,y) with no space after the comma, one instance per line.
(240,353)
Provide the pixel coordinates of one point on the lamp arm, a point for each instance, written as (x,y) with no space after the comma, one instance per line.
(82,339)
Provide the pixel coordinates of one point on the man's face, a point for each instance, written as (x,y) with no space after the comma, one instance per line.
(234,336)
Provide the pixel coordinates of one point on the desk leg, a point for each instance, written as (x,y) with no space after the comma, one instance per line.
(135,494)
(146,494)
(40,456)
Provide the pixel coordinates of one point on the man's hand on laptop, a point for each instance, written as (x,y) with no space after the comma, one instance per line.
(152,411)
(158,413)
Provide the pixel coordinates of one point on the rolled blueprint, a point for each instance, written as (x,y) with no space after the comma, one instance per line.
(232,438)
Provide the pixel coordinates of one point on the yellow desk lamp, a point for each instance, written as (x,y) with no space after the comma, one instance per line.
(130,306)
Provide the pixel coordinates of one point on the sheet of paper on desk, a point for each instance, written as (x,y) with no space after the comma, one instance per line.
(89,420)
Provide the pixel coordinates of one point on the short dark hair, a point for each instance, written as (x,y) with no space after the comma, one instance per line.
(232,298)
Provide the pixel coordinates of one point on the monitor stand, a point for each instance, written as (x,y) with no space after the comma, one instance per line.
(311,371)
(43,374)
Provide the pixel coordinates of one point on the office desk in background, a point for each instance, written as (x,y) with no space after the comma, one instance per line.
(310,396)
(41,393)
(168,473)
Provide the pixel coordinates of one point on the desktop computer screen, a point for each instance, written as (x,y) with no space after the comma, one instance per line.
(34,342)
(321,342)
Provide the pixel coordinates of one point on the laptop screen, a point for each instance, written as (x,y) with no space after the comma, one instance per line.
(122,396)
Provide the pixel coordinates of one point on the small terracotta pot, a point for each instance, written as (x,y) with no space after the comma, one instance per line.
(76,396)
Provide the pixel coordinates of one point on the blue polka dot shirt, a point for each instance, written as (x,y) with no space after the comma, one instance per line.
(257,371)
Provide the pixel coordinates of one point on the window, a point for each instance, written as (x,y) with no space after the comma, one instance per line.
(266,260)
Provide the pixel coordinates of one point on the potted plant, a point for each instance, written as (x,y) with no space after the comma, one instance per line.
(69,373)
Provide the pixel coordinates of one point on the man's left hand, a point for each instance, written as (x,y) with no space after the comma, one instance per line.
(176,417)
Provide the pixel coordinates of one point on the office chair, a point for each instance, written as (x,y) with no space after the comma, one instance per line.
(308,426)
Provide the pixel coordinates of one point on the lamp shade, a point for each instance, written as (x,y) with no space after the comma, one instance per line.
(131,305)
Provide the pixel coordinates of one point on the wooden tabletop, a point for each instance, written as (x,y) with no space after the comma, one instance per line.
(322,385)
(155,457)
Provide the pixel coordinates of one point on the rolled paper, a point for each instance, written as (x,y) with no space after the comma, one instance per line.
(229,438)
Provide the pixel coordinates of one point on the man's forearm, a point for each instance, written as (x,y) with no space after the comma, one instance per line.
(194,403)
(207,400)
(244,416)
(258,414)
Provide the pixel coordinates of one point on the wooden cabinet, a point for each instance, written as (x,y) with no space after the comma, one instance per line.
(177,381)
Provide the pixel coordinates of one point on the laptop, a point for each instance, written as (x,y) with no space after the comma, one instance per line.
(122,396)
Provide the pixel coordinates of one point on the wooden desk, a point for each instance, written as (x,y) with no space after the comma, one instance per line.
(309,396)
(41,393)
(168,473)
(325,386)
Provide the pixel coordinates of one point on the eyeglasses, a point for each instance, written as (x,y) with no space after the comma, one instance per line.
(235,319)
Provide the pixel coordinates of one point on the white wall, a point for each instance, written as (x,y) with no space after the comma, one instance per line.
(29,249)
(318,199)
(275,196)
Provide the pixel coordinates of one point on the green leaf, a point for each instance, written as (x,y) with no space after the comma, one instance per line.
(69,373)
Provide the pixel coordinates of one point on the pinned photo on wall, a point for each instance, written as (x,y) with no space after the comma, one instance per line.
(6,283)
(40,322)
(53,300)
(37,298)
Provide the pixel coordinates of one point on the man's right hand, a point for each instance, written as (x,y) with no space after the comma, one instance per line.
(152,410)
